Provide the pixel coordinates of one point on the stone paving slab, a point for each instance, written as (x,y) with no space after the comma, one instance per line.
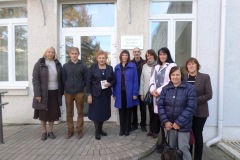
(22,142)
(212,153)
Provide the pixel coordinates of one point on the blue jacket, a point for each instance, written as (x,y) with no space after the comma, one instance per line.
(131,83)
(178,105)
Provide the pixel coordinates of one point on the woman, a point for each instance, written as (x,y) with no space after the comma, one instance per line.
(99,83)
(159,79)
(48,91)
(202,84)
(125,90)
(147,71)
(176,107)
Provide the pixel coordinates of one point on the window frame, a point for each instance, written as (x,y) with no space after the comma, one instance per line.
(172,19)
(12,83)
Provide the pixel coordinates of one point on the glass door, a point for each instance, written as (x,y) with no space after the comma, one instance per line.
(88,44)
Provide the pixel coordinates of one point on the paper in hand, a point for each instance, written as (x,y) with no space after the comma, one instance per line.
(103,84)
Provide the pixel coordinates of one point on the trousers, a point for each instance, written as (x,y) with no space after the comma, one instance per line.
(78,98)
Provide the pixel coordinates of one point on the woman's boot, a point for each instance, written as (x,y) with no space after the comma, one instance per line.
(100,129)
(97,129)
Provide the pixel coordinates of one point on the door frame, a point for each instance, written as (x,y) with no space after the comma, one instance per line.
(76,33)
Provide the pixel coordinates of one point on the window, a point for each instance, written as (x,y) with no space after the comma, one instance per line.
(88,15)
(179,7)
(172,25)
(13,46)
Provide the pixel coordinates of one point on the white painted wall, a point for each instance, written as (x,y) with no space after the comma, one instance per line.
(231,110)
(134,22)
(208,35)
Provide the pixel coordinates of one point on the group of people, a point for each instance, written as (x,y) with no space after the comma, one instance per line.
(179,101)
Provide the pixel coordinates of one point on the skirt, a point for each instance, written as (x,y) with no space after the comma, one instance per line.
(100,109)
(53,113)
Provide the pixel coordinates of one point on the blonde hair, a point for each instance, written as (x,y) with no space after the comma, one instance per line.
(101,52)
(55,54)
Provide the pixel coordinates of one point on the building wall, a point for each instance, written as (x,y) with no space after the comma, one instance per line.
(208,39)
(134,22)
(44,33)
(231,86)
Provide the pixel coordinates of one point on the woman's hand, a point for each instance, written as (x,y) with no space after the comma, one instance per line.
(107,84)
(176,126)
(155,93)
(168,126)
(38,99)
(89,99)
(142,98)
(134,97)
(114,98)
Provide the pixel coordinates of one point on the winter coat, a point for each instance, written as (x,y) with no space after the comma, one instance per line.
(74,77)
(204,93)
(157,69)
(40,83)
(131,83)
(178,105)
(94,77)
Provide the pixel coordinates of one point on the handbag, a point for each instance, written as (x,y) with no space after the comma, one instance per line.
(191,138)
(172,153)
(148,99)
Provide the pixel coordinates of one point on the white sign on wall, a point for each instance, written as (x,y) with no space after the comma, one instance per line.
(130,42)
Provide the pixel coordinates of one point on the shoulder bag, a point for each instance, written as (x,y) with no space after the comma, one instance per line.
(148,99)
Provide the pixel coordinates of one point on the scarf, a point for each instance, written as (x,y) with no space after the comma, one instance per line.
(152,64)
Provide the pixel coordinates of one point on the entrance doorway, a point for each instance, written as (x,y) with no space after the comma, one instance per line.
(88,43)
(90,28)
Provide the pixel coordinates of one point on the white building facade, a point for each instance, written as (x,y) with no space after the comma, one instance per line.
(207,30)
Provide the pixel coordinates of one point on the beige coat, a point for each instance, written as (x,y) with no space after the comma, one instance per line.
(145,79)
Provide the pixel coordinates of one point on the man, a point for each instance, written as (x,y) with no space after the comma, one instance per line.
(74,79)
(139,63)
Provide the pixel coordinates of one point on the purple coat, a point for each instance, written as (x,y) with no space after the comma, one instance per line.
(131,83)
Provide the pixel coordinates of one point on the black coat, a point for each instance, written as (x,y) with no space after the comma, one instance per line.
(94,78)
(40,83)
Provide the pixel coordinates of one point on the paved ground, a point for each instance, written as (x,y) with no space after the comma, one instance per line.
(23,142)
(212,153)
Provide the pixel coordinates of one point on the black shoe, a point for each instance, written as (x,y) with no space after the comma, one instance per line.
(127,133)
(51,135)
(134,128)
(103,133)
(143,128)
(44,136)
(121,133)
(150,133)
(97,136)
(154,135)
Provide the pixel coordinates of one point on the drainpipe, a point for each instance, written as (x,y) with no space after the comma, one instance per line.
(221,77)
